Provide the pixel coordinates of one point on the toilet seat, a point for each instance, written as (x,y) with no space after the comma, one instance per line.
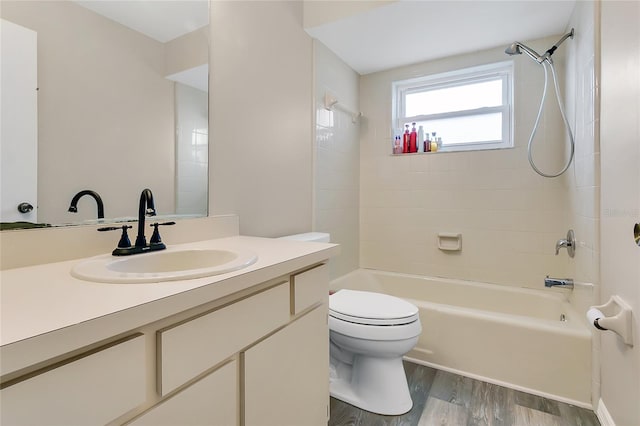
(375,309)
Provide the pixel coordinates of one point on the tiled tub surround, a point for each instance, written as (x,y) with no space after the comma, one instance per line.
(503,335)
(509,217)
(337,159)
(582,181)
(60,336)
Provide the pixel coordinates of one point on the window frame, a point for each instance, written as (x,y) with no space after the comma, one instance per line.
(462,77)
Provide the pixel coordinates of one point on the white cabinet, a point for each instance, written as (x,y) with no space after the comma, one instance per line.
(287,375)
(261,355)
(211,338)
(93,389)
(212,400)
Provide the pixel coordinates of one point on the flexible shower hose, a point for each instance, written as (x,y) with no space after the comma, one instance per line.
(564,118)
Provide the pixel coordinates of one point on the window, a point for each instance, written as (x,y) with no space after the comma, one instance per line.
(470,109)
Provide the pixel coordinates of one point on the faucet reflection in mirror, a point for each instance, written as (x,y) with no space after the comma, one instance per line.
(73,207)
(151,98)
(146,207)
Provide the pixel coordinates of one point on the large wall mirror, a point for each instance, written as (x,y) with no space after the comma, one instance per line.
(103,96)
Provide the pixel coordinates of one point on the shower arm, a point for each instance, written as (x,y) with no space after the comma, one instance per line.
(552,49)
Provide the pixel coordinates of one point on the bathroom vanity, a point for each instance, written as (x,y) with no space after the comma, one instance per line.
(248,347)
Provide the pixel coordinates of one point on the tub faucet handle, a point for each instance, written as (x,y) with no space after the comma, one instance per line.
(569,243)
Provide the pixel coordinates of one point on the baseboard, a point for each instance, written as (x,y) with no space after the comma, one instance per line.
(603,415)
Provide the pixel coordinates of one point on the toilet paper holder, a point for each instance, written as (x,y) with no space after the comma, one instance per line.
(615,315)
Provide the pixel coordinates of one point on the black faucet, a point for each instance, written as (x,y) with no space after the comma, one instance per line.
(73,207)
(145,208)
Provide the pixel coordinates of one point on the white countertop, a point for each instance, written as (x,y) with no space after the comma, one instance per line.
(39,303)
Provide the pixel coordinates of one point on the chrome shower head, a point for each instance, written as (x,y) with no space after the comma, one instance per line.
(517,48)
(513,49)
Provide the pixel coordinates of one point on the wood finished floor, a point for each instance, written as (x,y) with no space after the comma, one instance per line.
(441,398)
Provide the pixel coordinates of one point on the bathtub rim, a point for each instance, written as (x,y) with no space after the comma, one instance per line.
(543,292)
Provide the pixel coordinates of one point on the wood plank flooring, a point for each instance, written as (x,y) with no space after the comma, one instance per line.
(441,398)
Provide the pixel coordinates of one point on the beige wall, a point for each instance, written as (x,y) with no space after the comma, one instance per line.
(620,201)
(188,51)
(99,129)
(509,217)
(337,159)
(261,128)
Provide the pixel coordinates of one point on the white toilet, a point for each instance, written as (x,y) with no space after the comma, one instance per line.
(369,334)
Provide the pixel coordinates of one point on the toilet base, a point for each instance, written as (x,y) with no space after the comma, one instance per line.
(378,385)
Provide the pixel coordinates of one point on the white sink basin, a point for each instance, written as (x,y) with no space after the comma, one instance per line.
(165,265)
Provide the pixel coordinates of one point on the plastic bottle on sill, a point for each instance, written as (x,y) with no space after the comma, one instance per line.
(405,139)
(427,144)
(420,139)
(439,142)
(413,139)
(397,147)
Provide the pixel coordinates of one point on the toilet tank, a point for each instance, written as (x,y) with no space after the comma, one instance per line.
(318,237)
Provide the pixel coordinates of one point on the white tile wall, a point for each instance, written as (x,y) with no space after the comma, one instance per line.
(509,217)
(191,159)
(583,178)
(337,169)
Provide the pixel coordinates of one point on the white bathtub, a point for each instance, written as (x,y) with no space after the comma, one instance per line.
(504,335)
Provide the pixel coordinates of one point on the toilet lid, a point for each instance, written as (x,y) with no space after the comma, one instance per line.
(363,307)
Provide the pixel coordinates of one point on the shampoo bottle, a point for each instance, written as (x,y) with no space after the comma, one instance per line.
(413,138)
(405,139)
(420,139)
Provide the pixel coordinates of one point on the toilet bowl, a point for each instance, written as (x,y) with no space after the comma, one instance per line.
(369,334)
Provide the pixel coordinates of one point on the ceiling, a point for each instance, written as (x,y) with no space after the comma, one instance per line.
(411,31)
(162,20)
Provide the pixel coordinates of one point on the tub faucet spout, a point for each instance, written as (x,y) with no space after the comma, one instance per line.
(558,282)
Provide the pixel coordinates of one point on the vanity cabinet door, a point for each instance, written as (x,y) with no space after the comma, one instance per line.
(212,400)
(191,348)
(287,375)
(91,390)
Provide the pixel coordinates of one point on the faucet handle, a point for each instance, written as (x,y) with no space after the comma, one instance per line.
(124,238)
(569,244)
(155,238)
(560,244)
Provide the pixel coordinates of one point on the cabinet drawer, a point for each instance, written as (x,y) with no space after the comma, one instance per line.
(92,390)
(210,401)
(191,348)
(309,287)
